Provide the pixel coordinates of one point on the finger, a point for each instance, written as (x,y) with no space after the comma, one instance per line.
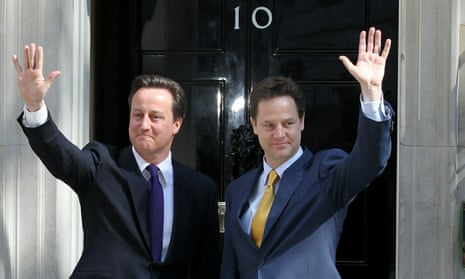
(362,42)
(26,57)
(377,47)
(39,58)
(387,47)
(371,34)
(32,54)
(16,64)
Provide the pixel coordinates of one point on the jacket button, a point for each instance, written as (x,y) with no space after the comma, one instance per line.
(261,262)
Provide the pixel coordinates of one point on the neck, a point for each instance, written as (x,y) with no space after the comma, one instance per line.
(154,158)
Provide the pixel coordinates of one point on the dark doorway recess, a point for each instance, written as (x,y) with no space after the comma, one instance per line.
(218,50)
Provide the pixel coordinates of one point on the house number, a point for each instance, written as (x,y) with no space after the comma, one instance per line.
(254,17)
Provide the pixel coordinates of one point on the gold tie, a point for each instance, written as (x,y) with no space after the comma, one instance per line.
(259,220)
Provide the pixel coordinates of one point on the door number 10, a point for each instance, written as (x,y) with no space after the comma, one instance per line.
(254,17)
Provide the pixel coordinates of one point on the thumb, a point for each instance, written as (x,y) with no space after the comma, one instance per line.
(53,75)
(347,63)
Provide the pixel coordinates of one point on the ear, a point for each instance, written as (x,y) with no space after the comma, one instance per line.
(177,125)
(302,122)
(254,124)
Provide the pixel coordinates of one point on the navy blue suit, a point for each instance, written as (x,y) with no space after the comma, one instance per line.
(304,225)
(113,196)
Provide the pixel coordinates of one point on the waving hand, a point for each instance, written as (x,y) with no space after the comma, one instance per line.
(371,61)
(31,81)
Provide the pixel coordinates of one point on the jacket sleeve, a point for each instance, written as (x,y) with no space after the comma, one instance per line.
(345,175)
(61,157)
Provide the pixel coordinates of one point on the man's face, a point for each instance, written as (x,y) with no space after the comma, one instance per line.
(279,129)
(151,124)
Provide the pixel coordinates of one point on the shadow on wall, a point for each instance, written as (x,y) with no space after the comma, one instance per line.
(5,262)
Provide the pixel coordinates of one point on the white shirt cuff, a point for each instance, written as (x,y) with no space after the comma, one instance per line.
(36,118)
(373,110)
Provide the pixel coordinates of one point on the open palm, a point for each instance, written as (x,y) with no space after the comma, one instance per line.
(371,62)
(31,81)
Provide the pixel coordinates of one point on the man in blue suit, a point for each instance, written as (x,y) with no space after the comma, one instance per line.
(290,227)
(111,183)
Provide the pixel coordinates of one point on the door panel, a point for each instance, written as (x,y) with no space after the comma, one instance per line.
(218,50)
(181,26)
(203,128)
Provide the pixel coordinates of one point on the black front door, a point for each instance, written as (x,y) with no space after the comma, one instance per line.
(218,50)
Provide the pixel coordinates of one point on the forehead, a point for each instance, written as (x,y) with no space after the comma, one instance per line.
(147,96)
(280,104)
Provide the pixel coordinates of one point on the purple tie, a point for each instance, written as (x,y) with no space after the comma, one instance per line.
(155,212)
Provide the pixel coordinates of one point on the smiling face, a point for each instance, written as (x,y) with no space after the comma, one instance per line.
(152,126)
(279,128)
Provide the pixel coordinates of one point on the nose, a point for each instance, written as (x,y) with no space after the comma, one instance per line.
(145,122)
(279,131)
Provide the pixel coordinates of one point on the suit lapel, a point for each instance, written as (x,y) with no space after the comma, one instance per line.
(245,191)
(137,190)
(182,199)
(290,181)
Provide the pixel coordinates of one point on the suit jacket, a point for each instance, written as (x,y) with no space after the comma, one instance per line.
(113,196)
(307,215)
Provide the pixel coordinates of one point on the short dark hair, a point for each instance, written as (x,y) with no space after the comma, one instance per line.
(156,81)
(272,87)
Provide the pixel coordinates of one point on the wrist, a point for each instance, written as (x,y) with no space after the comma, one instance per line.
(33,107)
(371,93)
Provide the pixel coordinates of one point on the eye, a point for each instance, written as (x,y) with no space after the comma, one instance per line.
(268,126)
(156,116)
(137,115)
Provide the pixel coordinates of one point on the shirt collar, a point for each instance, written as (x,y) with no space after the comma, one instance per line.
(165,167)
(283,167)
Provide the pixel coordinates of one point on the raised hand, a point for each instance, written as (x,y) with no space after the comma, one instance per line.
(31,81)
(371,62)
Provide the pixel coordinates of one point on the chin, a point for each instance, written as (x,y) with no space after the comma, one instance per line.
(284,156)
(143,146)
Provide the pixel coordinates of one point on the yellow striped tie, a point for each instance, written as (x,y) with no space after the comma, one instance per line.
(259,220)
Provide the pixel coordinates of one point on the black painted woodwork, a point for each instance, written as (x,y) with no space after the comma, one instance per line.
(197,44)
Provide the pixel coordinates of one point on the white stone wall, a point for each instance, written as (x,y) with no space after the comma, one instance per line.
(431,137)
(40,233)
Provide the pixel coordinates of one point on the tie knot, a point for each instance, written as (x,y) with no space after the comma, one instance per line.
(153,170)
(273,176)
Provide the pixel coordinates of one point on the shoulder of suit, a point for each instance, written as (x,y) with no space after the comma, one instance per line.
(111,149)
(100,150)
(244,180)
(327,159)
(183,170)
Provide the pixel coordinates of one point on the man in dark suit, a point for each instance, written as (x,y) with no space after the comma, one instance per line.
(284,219)
(113,189)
